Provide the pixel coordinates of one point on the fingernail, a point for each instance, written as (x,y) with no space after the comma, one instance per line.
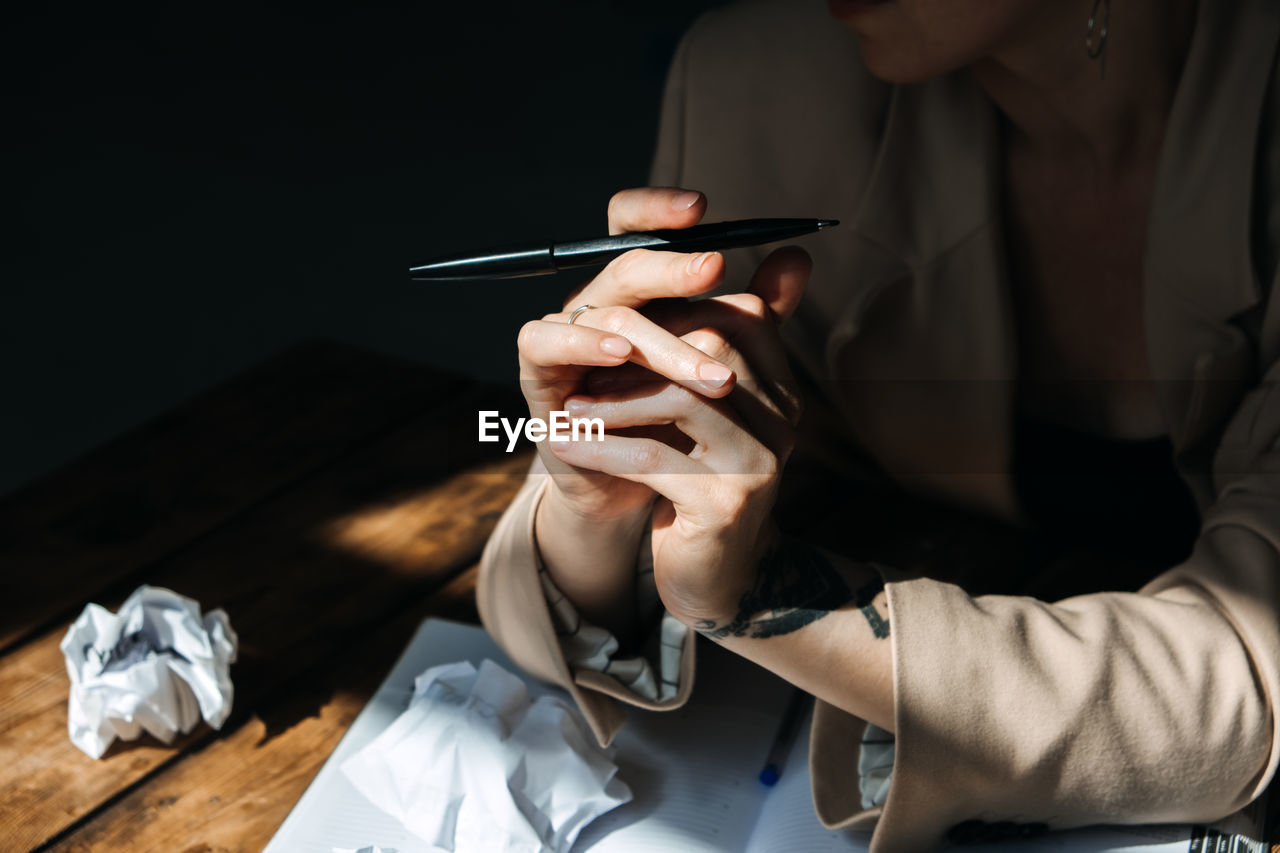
(576,407)
(617,347)
(696,262)
(685,200)
(714,374)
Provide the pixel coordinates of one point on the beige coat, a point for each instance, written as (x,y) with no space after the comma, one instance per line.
(1109,707)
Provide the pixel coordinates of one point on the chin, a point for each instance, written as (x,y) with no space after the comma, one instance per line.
(902,66)
(896,50)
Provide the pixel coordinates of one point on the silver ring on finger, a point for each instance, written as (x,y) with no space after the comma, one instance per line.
(577,311)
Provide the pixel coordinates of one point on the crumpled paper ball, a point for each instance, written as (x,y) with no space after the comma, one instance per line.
(156,666)
(472,764)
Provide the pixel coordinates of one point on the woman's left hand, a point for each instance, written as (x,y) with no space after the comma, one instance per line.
(713,520)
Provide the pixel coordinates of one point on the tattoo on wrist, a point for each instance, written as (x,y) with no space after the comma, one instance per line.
(864,600)
(795,585)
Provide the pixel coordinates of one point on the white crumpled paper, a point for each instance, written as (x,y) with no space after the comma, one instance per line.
(372,848)
(157,666)
(473,765)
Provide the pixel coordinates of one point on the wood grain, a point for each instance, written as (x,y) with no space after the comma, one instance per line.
(330,559)
(233,793)
(106,517)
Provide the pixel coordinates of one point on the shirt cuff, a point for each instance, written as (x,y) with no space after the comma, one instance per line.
(654,673)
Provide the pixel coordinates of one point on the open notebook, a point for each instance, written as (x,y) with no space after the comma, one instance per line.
(693,773)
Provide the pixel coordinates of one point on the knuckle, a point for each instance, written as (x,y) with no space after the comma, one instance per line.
(629,266)
(646,457)
(677,267)
(731,502)
(758,495)
(709,342)
(614,318)
(763,464)
(617,205)
(575,339)
(748,304)
(719,348)
(753,305)
(769,467)
(685,404)
(527,336)
(784,453)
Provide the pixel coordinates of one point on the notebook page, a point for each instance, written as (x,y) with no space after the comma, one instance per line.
(353,822)
(692,773)
(787,820)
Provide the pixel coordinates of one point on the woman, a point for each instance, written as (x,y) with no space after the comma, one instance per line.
(1054,240)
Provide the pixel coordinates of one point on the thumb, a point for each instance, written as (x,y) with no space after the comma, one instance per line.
(781,278)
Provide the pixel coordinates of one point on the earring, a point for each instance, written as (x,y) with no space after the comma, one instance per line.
(1096,48)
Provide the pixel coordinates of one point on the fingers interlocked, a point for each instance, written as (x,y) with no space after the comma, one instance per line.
(650,346)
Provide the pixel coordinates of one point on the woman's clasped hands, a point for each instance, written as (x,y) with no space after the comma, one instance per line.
(699,408)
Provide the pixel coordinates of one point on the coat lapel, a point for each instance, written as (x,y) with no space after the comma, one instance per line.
(923,358)
(922,353)
(1199,267)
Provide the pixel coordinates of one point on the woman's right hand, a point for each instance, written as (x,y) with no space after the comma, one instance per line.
(589,524)
(555,357)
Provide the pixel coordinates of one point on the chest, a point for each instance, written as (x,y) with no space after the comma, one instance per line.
(1074,246)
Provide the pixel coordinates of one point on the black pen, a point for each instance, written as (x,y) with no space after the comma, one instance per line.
(784,739)
(550,258)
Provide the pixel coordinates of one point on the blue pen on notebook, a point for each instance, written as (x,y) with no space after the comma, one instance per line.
(786,736)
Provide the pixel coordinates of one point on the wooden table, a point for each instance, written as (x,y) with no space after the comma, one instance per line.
(329,500)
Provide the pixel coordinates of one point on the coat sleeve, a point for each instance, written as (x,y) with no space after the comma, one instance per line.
(1155,706)
(512,597)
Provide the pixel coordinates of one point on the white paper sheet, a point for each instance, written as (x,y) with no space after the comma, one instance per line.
(474,764)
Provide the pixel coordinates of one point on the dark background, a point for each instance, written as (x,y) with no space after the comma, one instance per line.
(194,187)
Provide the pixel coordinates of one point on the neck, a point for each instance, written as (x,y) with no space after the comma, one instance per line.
(1055,99)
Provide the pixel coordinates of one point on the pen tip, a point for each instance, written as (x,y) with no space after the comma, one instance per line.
(828,223)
